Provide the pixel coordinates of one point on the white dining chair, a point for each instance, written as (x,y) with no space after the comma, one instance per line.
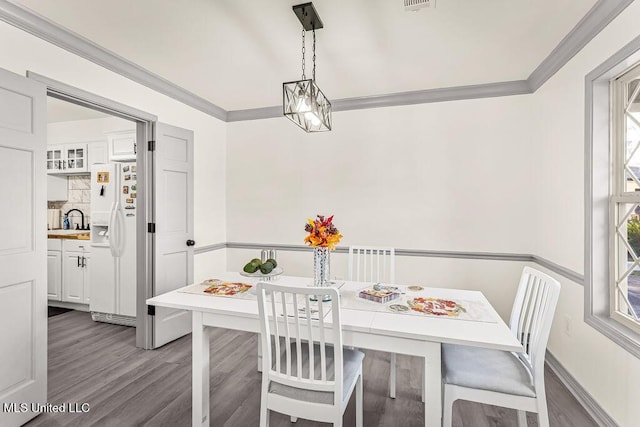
(375,264)
(512,380)
(306,373)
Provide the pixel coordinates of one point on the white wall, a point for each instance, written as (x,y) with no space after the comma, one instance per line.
(20,52)
(89,130)
(447,176)
(607,372)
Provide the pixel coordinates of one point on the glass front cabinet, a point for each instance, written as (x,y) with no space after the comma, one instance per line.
(67,158)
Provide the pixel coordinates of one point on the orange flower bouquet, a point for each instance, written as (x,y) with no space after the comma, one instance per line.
(323,237)
(322,233)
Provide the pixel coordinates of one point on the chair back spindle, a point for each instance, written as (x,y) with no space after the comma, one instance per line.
(294,325)
(532,316)
(372,264)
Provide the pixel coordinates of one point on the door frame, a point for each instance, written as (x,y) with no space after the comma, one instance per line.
(145,132)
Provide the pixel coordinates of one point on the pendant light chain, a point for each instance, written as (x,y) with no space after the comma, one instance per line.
(314,54)
(303,52)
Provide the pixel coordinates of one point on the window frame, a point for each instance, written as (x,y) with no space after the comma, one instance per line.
(598,198)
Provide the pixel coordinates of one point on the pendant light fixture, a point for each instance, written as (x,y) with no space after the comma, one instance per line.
(302,100)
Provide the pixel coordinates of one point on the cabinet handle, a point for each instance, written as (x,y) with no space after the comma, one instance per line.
(84,262)
(78,260)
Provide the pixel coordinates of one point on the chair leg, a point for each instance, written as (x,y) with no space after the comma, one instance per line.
(522,418)
(422,384)
(264,416)
(392,377)
(264,410)
(447,408)
(259,353)
(359,414)
(543,414)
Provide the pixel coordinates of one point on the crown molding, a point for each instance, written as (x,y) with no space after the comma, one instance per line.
(488,90)
(600,15)
(41,27)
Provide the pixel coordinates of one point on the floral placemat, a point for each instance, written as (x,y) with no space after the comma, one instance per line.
(418,301)
(222,288)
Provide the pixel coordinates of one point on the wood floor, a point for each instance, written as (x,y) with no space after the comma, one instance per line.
(98,364)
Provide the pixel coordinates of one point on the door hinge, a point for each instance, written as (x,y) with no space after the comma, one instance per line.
(151,227)
(151,310)
(152,146)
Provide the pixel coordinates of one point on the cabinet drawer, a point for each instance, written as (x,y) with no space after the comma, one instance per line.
(76,245)
(54,244)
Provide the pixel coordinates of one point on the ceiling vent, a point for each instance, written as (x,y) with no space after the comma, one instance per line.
(415,5)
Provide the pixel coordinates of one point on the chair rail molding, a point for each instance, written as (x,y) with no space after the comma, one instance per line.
(494,256)
(598,17)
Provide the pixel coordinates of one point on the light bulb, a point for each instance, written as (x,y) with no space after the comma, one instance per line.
(312,118)
(303,106)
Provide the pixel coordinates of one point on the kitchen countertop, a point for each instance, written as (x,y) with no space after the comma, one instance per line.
(69,234)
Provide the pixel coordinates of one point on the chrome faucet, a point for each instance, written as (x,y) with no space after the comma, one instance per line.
(81,214)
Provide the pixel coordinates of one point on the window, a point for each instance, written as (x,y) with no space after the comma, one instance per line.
(612,204)
(625,199)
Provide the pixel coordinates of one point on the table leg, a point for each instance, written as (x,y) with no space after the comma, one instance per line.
(199,372)
(432,386)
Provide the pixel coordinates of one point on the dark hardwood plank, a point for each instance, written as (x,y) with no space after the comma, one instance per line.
(98,363)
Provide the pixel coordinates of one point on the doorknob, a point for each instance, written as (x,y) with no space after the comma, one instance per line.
(190,242)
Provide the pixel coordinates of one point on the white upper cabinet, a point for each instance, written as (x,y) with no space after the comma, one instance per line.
(98,152)
(67,158)
(122,145)
(76,156)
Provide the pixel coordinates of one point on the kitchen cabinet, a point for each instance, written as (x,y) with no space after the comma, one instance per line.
(67,158)
(68,268)
(54,275)
(75,271)
(98,152)
(122,145)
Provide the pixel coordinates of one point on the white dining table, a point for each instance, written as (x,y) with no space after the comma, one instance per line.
(414,335)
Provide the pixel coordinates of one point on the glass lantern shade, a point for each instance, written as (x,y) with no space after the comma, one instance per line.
(305,105)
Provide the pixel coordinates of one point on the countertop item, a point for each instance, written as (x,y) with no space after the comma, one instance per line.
(69,234)
(53,218)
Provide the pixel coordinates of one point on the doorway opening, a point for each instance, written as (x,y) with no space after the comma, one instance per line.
(131,130)
(91,245)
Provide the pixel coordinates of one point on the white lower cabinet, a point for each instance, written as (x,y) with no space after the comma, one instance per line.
(73,277)
(68,271)
(54,275)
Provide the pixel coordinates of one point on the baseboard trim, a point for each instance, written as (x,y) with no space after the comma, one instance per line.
(583,397)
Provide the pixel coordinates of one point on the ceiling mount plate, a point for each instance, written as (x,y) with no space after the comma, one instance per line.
(308,16)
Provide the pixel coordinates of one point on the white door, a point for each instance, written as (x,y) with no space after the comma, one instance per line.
(23,247)
(173,194)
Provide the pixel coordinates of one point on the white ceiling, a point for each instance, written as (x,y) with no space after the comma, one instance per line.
(237,53)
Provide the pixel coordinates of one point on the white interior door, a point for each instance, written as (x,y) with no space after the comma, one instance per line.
(173,194)
(23,247)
